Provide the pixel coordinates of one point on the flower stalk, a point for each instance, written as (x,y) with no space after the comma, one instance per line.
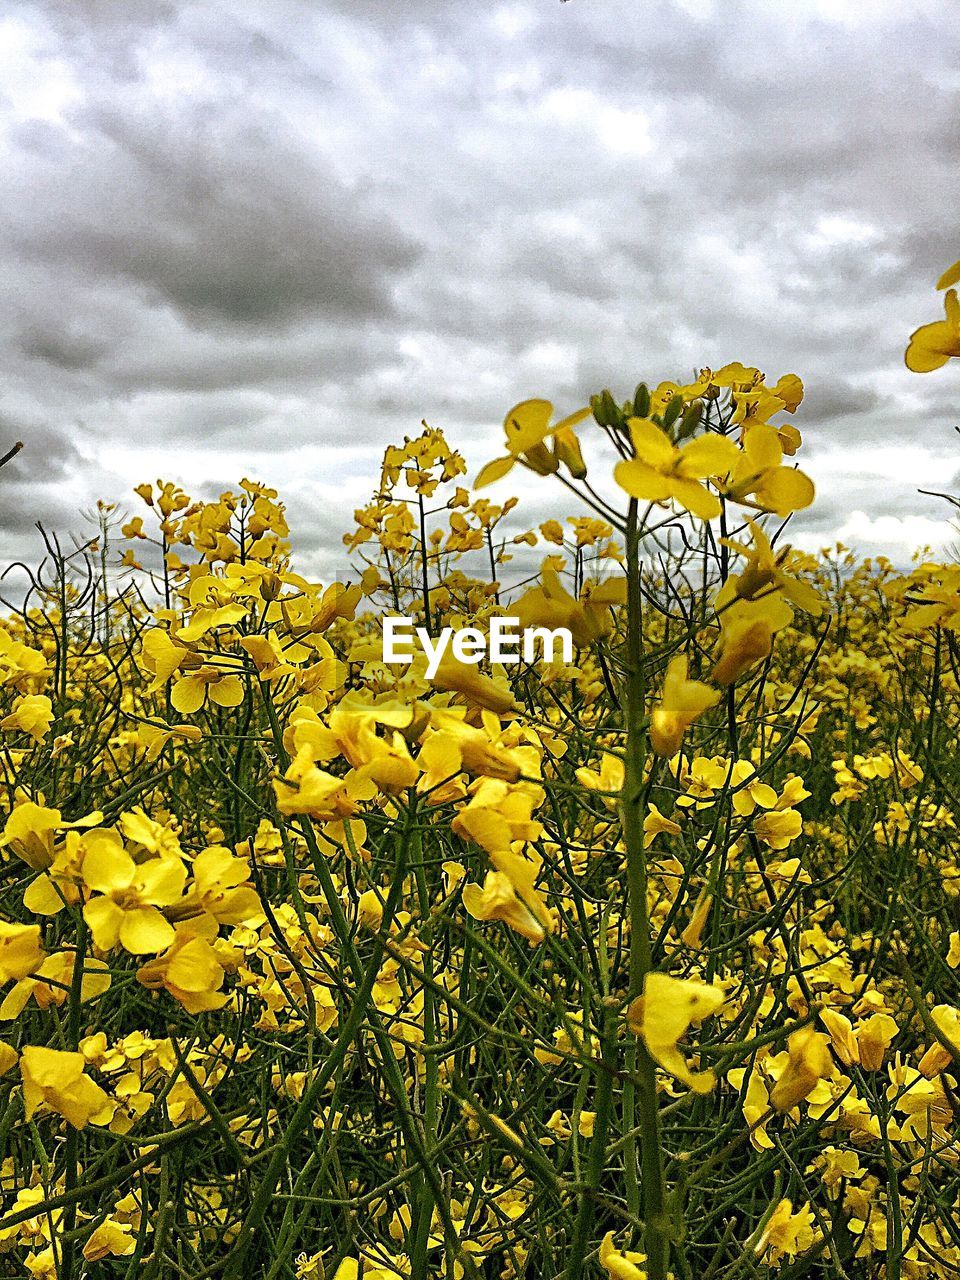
(640,1099)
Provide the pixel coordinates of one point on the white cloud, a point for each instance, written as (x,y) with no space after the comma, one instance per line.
(896,537)
(513,20)
(625,130)
(37,84)
(835,229)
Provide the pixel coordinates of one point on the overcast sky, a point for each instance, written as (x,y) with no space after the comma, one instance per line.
(267,239)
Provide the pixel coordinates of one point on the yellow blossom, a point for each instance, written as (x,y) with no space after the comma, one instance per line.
(682,702)
(189,971)
(127,910)
(110,1240)
(932,345)
(620,1265)
(758,475)
(31,714)
(527,427)
(660,470)
(57,1078)
(665,1012)
(807,1062)
(655,824)
(21,951)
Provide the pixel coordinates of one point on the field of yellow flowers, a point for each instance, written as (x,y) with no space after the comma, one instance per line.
(643,964)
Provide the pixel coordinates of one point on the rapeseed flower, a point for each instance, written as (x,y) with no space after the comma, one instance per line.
(682,702)
(660,470)
(56,1079)
(126,909)
(664,1014)
(932,345)
(527,427)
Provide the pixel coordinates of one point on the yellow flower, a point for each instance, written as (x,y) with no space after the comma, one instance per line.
(161,657)
(127,912)
(499,816)
(512,899)
(932,345)
(52,983)
(778,828)
(309,790)
(766,570)
(620,1266)
(937,1057)
(221,684)
(874,1037)
(155,737)
(31,714)
(455,745)
(682,702)
(527,427)
(938,603)
(42,1265)
(20,950)
(205,619)
(473,686)
(748,628)
(221,887)
(660,470)
(609,780)
(665,1012)
(189,971)
(57,1079)
(30,828)
(844,1042)
(808,1062)
(551,605)
(787,1233)
(110,1240)
(31,1230)
(749,793)
(18,662)
(655,824)
(695,926)
(352,734)
(758,474)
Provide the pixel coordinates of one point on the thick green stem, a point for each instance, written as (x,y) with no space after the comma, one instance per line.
(640,1101)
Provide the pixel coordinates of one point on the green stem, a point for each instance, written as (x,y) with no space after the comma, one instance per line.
(586,1209)
(640,1100)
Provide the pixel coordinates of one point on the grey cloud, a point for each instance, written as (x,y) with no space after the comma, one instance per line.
(239,230)
(62,346)
(830,400)
(241,233)
(48,454)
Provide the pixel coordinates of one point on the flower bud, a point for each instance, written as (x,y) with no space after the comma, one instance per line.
(689,421)
(672,412)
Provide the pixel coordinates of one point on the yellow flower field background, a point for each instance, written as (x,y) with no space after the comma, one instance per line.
(640,965)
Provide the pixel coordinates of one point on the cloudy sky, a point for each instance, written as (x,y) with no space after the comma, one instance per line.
(268,239)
